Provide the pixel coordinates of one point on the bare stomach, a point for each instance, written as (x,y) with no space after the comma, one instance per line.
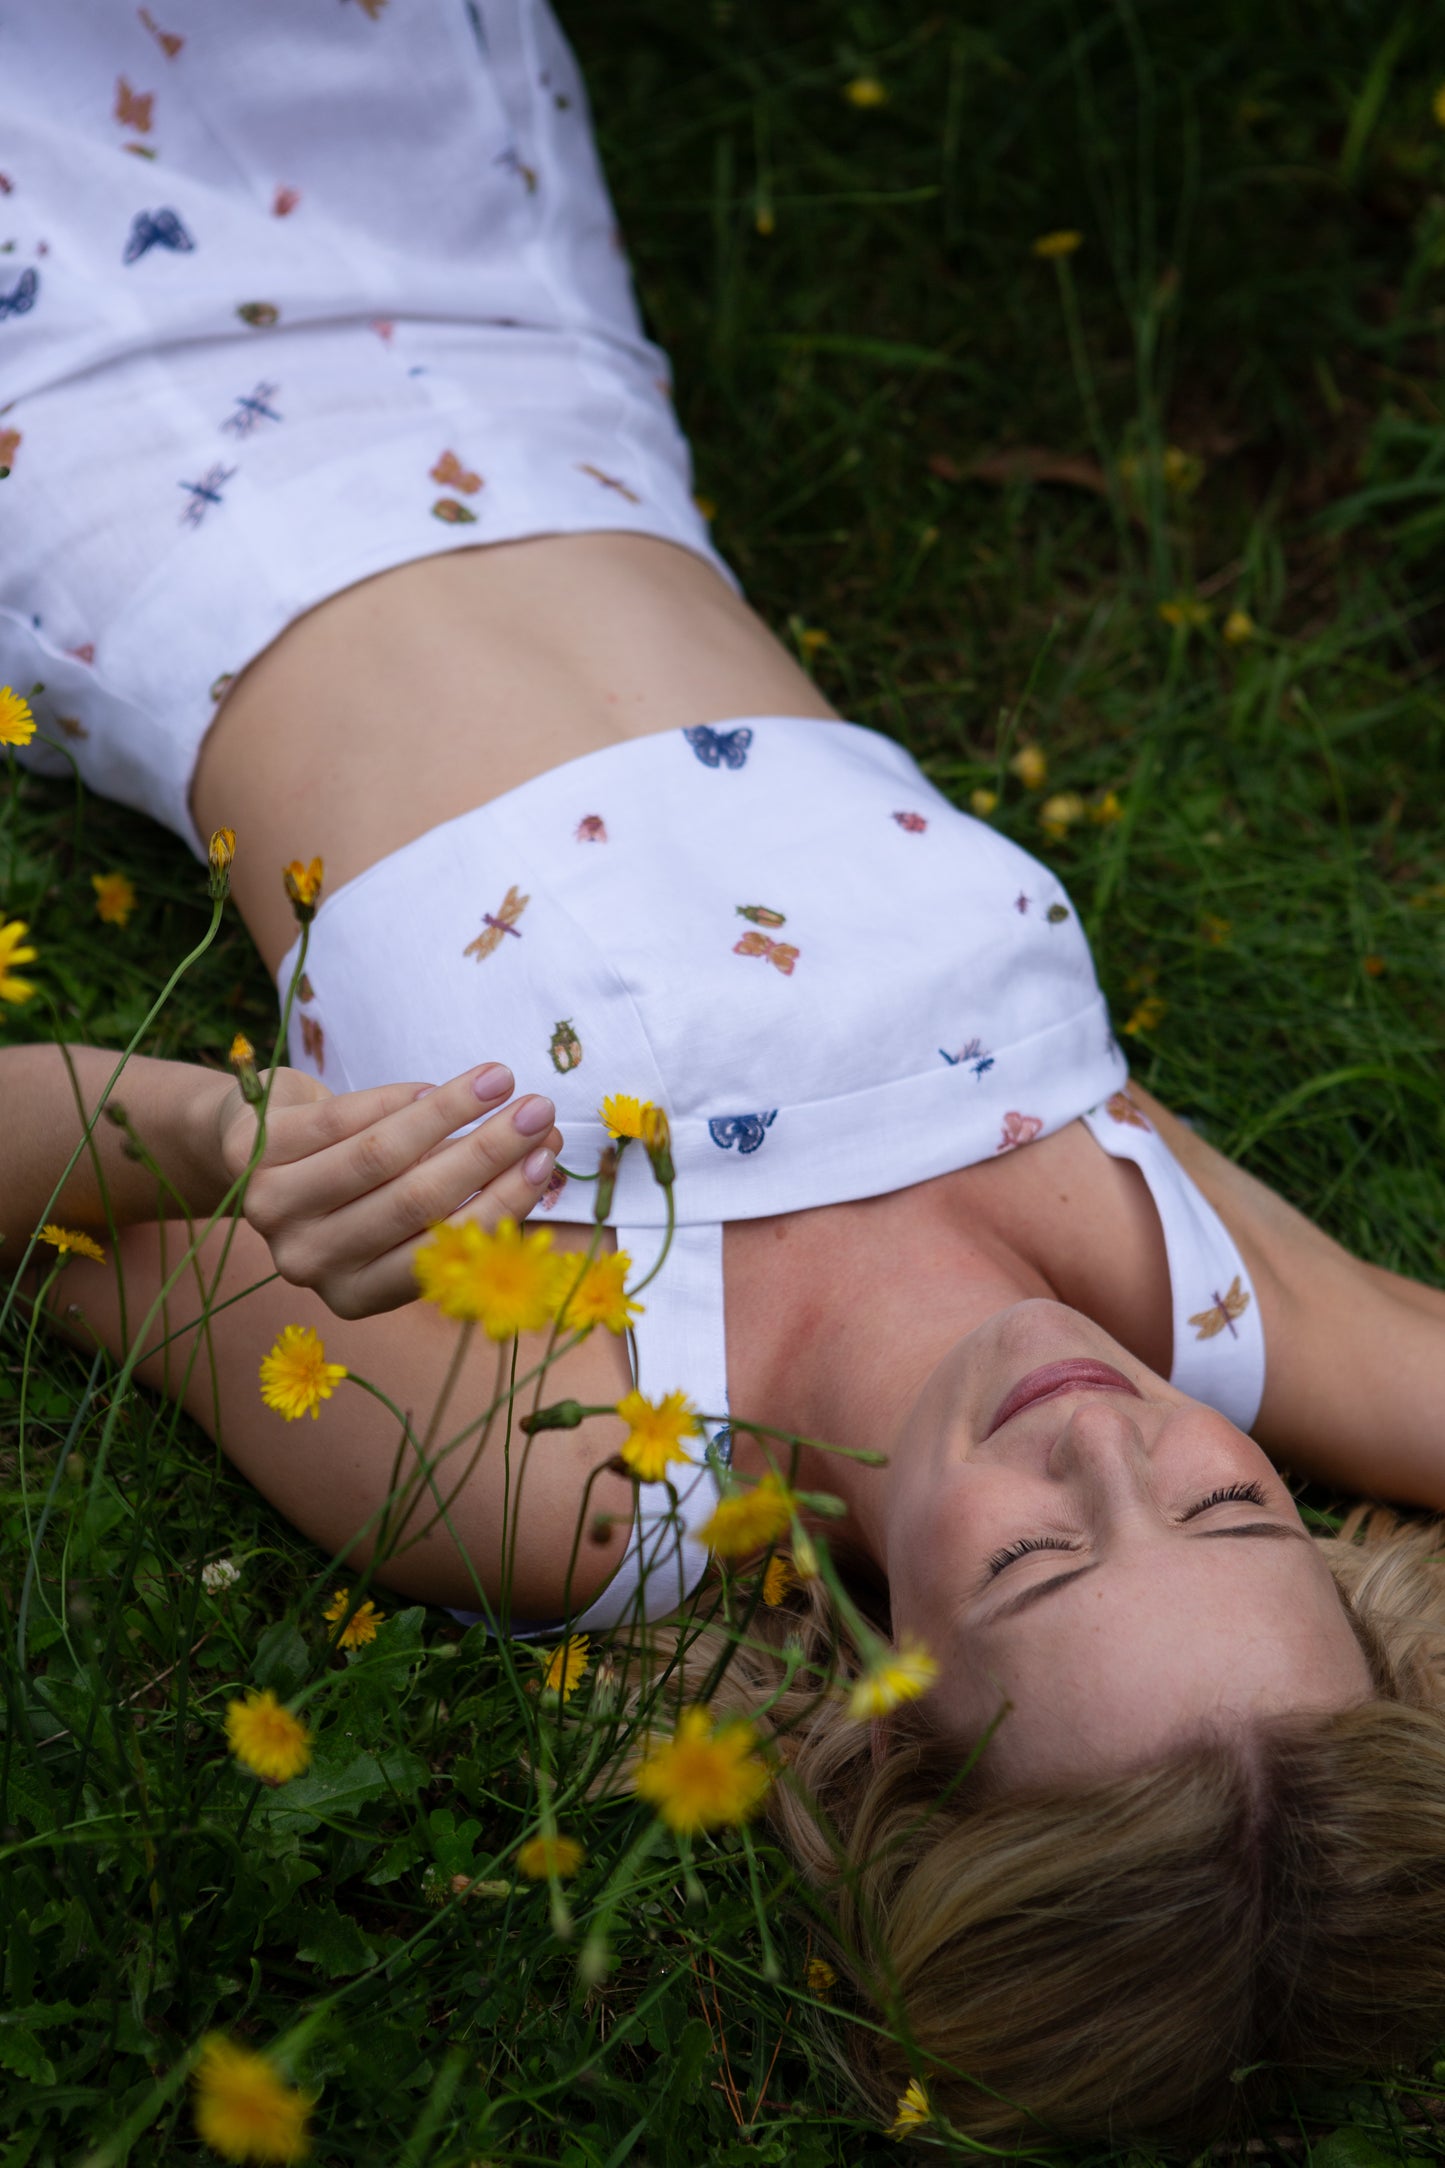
(411,697)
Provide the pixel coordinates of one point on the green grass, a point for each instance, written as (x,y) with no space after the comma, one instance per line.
(1262,198)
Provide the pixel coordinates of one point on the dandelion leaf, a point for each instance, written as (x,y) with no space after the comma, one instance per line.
(332,1791)
(21,2052)
(282,1659)
(330,1940)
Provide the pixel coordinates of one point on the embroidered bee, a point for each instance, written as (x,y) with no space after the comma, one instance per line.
(1224,1310)
(260,315)
(565,1048)
(139,150)
(450,472)
(1018,1129)
(914,823)
(746,1131)
(284,202)
(454,512)
(728,747)
(1021,904)
(205,492)
(780,953)
(156,229)
(760,914)
(21,297)
(1056,913)
(313,1040)
(513,905)
(131,109)
(591,829)
(609,481)
(1123,1109)
(250,410)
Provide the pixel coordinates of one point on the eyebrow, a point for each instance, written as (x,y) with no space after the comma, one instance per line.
(1269,1529)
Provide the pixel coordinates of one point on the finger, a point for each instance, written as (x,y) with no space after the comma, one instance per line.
(407,1121)
(389,1280)
(433,1188)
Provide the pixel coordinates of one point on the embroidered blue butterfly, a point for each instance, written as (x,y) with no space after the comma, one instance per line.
(716,748)
(21,295)
(721,1447)
(148,228)
(746,1131)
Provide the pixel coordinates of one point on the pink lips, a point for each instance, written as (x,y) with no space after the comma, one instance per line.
(1065,1377)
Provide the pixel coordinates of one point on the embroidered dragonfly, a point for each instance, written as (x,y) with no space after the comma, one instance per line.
(1224,1310)
(151,229)
(609,481)
(251,410)
(204,493)
(719,747)
(746,1131)
(974,1054)
(21,297)
(495,925)
(780,953)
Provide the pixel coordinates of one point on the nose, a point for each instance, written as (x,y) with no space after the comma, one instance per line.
(1102,1444)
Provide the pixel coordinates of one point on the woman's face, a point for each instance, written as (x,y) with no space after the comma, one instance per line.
(1118,1563)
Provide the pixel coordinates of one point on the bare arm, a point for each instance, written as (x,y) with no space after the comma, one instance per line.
(1355,1384)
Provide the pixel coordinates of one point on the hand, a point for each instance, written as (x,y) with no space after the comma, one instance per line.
(348,1185)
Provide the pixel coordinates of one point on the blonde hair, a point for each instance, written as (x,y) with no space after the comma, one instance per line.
(1159,1957)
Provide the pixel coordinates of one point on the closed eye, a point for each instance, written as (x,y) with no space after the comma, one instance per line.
(1228,1494)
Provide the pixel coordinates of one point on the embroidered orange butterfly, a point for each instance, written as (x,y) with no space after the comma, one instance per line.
(167,40)
(1123,1109)
(1224,1310)
(452,474)
(780,953)
(131,109)
(496,924)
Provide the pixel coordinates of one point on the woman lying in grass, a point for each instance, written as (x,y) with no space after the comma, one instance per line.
(590,834)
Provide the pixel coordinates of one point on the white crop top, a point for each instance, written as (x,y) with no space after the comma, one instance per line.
(835,983)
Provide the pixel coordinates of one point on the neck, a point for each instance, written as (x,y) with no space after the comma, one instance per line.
(835,1320)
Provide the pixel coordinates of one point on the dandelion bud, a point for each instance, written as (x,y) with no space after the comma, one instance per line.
(606,1183)
(657,1143)
(303,886)
(218,859)
(805,1558)
(606,1687)
(242,1058)
(562,1415)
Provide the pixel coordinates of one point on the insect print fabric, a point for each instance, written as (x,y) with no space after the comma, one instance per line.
(155,229)
(1222,1312)
(496,927)
(746,1131)
(781,954)
(728,748)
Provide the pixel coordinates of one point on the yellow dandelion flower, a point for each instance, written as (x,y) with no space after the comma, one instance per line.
(599,1297)
(704,1776)
(303,886)
(360,1627)
(1149,1013)
(1238,627)
(899,1675)
(506,1282)
(778,1579)
(820,1976)
(1437,105)
(114,898)
(241,1052)
(655,1430)
(17,724)
(913,2110)
(266,1738)
(750,1519)
(66,1239)
(810,639)
(1031,767)
(1051,246)
(982,802)
(295,1376)
(1184,612)
(566,1666)
(1058,813)
(622,1114)
(865,91)
(1106,809)
(12,952)
(541,1856)
(244,2109)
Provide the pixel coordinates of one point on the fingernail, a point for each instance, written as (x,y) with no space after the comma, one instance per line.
(533,1116)
(538,1165)
(493,1082)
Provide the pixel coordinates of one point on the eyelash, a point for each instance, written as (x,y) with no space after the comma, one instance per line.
(1244,1493)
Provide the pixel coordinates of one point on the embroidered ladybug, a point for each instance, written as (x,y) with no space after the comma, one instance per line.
(261,315)
(591,829)
(760,914)
(1057,913)
(565,1048)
